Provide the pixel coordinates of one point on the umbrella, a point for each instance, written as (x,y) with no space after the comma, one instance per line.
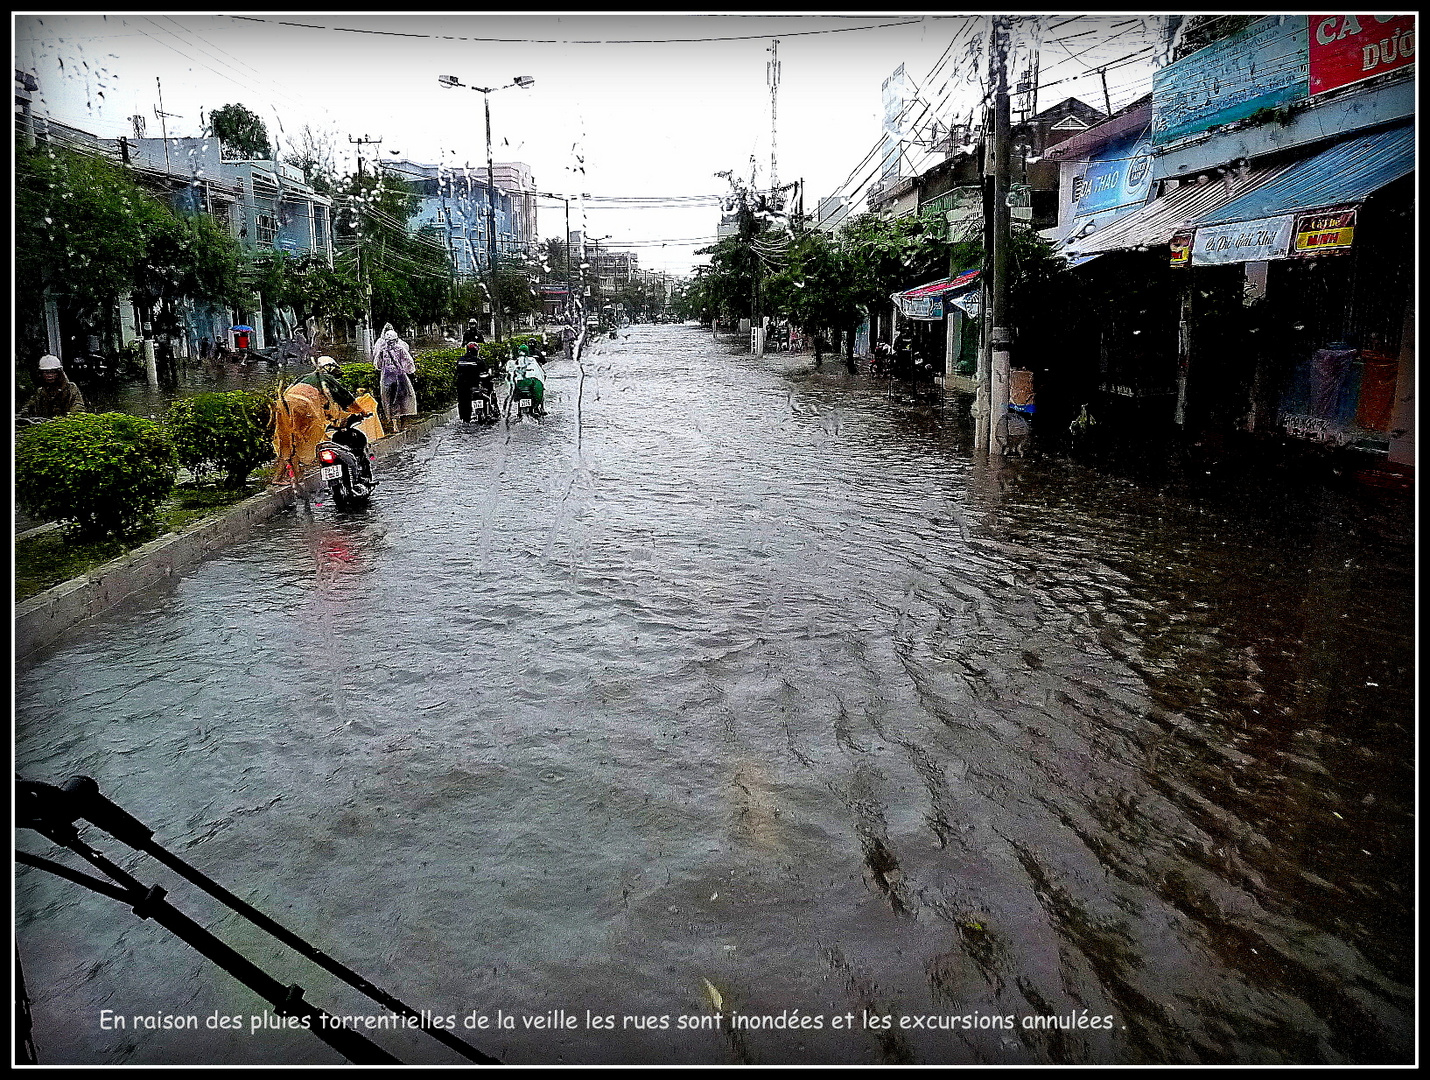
(244,329)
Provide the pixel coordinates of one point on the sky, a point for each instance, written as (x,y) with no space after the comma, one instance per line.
(625,106)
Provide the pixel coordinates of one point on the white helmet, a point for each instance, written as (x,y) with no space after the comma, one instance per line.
(326,362)
(51,363)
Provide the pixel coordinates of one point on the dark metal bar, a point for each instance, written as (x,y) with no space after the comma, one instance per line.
(107,815)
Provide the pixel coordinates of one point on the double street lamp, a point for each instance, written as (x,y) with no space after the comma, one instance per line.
(525,82)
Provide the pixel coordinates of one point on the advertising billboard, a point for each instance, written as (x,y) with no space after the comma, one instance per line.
(1260,67)
(1347,49)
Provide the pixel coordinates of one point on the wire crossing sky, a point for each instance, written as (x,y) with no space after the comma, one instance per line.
(637,110)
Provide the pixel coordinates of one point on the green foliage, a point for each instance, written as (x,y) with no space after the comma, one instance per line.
(889,254)
(104,475)
(224,432)
(1040,287)
(435,382)
(409,272)
(240,130)
(307,284)
(816,286)
(360,376)
(515,291)
(86,230)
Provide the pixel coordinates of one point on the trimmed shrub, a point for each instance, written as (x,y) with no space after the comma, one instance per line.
(360,376)
(435,382)
(222,432)
(101,474)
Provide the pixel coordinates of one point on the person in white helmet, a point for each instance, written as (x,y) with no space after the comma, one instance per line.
(301,415)
(57,396)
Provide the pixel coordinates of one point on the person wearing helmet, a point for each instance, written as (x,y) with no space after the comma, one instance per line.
(57,396)
(473,333)
(324,377)
(528,376)
(300,419)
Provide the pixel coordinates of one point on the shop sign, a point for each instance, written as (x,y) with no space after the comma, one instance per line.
(1315,429)
(1346,49)
(1119,176)
(1182,248)
(1243,241)
(969,303)
(1329,230)
(925,308)
(1260,67)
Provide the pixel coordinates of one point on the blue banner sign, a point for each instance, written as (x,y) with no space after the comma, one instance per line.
(1118,176)
(1261,67)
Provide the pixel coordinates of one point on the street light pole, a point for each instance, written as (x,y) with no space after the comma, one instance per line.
(525,82)
(492,220)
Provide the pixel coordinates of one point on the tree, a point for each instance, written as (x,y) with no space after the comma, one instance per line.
(816,289)
(86,231)
(239,130)
(315,154)
(409,272)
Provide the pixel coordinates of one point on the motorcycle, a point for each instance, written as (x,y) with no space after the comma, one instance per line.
(346,463)
(525,404)
(90,368)
(477,392)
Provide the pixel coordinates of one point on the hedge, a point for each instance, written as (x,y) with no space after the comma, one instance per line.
(434,381)
(100,474)
(224,432)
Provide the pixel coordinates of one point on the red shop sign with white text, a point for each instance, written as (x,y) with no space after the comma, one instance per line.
(1347,49)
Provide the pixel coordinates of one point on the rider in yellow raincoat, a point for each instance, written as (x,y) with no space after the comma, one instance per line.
(301,417)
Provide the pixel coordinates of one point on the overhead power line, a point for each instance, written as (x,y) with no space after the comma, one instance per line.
(586,41)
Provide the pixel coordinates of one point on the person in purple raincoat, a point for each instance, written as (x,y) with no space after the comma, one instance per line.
(393,360)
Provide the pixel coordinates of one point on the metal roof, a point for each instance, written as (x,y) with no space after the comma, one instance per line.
(1348,172)
(942,285)
(1160,219)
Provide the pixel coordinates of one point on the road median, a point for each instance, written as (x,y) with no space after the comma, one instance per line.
(45,617)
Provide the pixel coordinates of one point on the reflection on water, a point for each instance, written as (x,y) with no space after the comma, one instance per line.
(771,685)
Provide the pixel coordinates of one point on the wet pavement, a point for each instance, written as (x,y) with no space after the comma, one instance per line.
(756,681)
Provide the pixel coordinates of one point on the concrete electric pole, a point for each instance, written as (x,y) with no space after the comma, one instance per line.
(993,362)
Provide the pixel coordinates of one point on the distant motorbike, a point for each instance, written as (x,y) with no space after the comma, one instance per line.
(347,466)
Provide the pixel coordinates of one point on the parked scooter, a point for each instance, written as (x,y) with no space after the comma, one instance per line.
(90,368)
(346,463)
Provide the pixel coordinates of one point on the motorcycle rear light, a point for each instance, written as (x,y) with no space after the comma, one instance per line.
(327,457)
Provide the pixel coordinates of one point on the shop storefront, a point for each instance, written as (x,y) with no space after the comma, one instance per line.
(1324,256)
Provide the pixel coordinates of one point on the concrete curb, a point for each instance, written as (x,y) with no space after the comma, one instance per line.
(44,617)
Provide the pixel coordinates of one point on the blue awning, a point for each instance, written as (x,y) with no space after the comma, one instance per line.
(1349,172)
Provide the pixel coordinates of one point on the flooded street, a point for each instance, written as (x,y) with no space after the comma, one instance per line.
(758,681)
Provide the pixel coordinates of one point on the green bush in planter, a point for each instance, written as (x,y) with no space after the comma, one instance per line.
(360,376)
(102,475)
(223,432)
(435,382)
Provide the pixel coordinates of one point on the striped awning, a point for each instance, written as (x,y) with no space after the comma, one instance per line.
(1348,172)
(1159,220)
(942,285)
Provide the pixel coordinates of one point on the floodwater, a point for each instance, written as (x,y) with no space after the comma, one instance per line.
(766,687)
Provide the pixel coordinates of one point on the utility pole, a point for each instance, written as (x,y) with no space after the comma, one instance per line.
(360,143)
(492,219)
(993,361)
(772,70)
(365,330)
(163,124)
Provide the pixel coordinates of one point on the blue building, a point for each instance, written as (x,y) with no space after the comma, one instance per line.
(456,201)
